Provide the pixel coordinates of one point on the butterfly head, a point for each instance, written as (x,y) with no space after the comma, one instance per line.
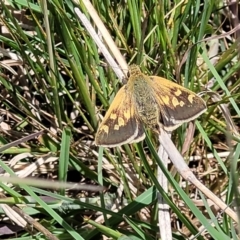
(134,70)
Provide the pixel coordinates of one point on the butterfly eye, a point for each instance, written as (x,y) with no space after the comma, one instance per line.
(128,74)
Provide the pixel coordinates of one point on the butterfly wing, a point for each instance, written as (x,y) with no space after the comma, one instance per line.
(176,103)
(120,124)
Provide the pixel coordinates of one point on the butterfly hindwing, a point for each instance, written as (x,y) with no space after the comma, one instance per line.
(120,124)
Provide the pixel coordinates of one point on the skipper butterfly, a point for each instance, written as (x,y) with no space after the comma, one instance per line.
(146,100)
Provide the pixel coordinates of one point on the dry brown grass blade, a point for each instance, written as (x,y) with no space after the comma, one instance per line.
(35,224)
(50,184)
(187,174)
(107,37)
(100,44)
(163,208)
(19,141)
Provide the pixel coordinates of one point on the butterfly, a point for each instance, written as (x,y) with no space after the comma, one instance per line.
(150,101)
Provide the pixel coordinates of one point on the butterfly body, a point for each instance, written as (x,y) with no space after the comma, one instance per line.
(146,100)
(147,109)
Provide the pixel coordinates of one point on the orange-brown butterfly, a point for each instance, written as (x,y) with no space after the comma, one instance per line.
(146,100)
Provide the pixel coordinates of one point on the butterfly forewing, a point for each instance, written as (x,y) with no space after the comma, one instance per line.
(176,103)
(120,124)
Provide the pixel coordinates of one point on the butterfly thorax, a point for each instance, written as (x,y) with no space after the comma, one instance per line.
(146,105)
